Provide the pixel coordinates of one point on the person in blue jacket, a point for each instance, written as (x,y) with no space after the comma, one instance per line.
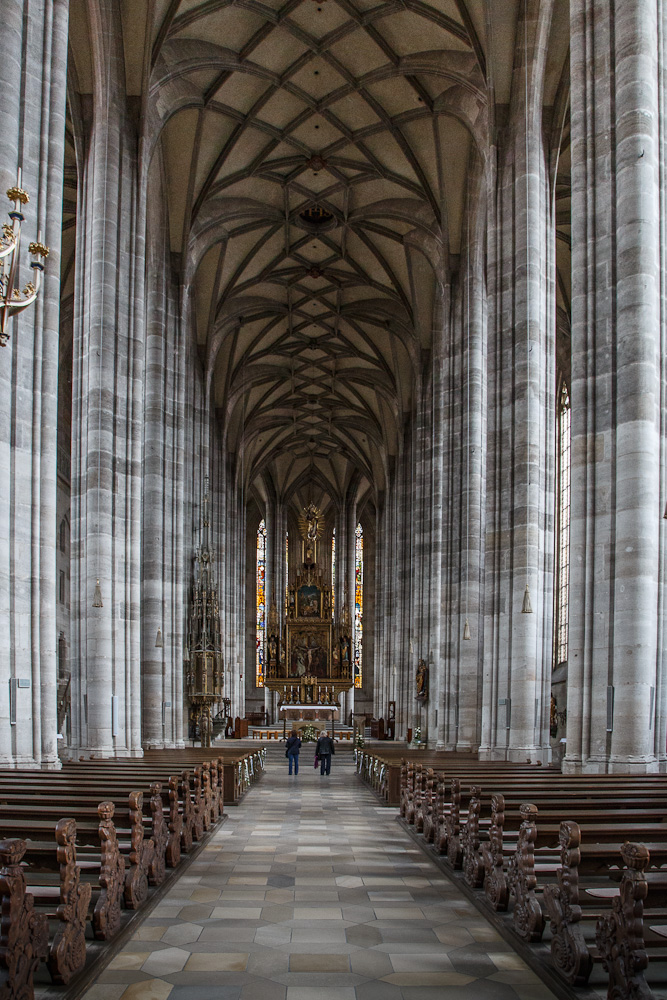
(292,748)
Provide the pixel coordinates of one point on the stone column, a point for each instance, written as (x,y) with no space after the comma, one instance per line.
(33,59)
(471,341)
(521,401)
(618,173)
(108,416)
(162,535)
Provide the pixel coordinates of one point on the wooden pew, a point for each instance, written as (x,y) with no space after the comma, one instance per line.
(550,873)
(94,860)
(24,933)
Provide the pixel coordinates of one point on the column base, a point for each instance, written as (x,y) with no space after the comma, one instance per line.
(164,744)
(102,753)
(20,762)
(612,765)
(517,755)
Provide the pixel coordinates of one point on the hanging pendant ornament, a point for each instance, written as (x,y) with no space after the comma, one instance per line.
(466,630)
(665,514)
(527,608)
(158,639)
(97,596)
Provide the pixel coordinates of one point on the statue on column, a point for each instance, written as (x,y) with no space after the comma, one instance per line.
(421,681)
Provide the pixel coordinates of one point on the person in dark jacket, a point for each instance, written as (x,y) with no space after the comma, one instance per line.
(292,748)
(324,749)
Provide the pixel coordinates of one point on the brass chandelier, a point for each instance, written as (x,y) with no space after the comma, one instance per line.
(12,299)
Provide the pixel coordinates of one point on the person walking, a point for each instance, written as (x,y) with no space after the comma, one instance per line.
(292,748)
(323,751)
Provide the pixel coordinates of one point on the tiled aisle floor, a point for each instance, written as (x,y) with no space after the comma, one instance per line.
(311,891)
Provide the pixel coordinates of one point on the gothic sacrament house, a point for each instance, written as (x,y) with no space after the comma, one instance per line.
(333,375)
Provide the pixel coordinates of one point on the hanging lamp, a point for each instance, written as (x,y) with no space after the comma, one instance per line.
(158,639)
(97,596)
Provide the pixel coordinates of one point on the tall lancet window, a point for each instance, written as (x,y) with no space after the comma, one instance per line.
(333,572)
(261,603)
(358,601)
(563,581)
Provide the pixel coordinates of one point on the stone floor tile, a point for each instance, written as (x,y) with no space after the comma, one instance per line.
(372,964)
(166,961)
(125,976)
(272,935)
(236,913)
(428,979)
(428,962)
(195,912)
(106,991)
(149,932)
(222,933)
(319,963)
(323,993)
(213,992)
(153,989)
(128,960)
(182,933)
(263,989)
(378,990)
(219,961)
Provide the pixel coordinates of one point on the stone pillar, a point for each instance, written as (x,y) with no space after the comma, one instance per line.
(471,340)
(521,402)
(617,535)
(33,59)
(162,535)
(108,416)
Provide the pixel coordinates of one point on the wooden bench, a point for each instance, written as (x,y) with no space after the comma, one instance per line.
(104,854)
(558,879)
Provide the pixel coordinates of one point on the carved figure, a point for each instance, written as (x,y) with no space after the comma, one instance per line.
(620,932)
(188,813)
(495,880)
(141,855)
(68,950)
(157,869)
(473,865)
(173,853)
(421,680)
(106,916)
(527,914)
(569,950)
(24,934)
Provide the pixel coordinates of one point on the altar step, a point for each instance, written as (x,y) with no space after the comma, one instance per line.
(343,734)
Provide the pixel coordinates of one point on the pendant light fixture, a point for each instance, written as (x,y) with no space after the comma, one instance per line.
(158,639)
(97,596)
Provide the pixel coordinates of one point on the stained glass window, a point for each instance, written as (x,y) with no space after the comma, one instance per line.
(333,572)
(563,582)
(261,603)
(358,601)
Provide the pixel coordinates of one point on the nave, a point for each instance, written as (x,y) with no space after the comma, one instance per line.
(312,891)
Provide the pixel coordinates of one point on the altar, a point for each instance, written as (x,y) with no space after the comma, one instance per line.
(308,647)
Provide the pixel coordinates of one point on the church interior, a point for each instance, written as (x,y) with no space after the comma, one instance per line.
(333,382)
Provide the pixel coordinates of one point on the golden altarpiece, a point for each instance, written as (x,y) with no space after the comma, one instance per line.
(308,650)
(204,664)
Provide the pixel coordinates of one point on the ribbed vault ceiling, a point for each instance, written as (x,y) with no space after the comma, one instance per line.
(316,157)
